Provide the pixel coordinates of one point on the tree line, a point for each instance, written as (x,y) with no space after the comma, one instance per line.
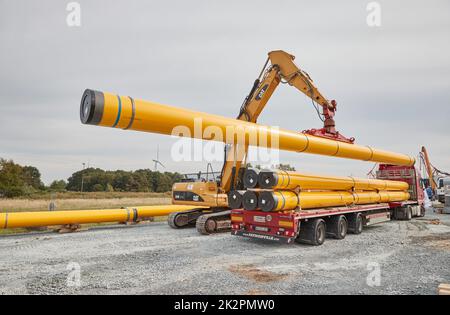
(17,180)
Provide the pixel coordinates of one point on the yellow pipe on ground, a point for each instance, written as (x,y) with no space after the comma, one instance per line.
(284,180)
(109,110)
(289,200)
(73,217)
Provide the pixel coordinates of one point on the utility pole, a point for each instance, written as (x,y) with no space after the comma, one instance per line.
(157,158)
(82,177)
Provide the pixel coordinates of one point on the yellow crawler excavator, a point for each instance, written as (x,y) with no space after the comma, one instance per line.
(278,68)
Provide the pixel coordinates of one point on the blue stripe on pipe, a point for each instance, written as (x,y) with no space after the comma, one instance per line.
(119,112)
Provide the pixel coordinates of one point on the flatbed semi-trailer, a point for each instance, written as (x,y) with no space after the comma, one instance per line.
(314,225)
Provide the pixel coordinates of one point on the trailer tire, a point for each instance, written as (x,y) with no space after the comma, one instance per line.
(394,214)
(408,214)
(337,227)
(403,213)
(355,223)
(422,211)
(312,232)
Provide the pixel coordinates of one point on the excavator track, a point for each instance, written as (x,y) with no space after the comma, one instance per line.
(215,222)
(184,219)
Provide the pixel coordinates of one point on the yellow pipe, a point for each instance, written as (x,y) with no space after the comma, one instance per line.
(289,200)
(49,218)
(109,110)
(284,180)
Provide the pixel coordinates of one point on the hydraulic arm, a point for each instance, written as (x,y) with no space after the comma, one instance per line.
(291,74)
(280,69)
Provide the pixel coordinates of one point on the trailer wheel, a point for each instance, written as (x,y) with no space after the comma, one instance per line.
(403,213)
(337,227)
(355,223)
(408,214)
(312,232)
(422,211)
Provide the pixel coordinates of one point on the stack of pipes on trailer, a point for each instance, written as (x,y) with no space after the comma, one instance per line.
(282,191)
(288,200)
(284,180)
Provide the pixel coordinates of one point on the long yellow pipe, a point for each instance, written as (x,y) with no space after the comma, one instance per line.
(289,200)
(110,110)
(49,218)
(284,180)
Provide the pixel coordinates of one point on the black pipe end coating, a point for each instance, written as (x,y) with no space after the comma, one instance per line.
(250,200)
(267,201)
(235,199)
(267,179)
(91,107)
(251,178)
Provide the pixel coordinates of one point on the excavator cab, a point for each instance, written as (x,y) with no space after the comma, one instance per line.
(199,189)
(200,193)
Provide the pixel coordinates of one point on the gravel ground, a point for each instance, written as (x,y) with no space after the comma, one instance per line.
(413,258)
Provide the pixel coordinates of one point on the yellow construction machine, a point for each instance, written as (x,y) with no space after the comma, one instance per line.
(278,68)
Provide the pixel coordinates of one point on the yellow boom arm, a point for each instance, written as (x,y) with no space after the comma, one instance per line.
(282,69)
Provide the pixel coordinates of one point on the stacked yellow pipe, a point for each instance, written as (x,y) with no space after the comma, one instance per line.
(110,110)
(283,180)
(49,218)
(289,200)
(284,191)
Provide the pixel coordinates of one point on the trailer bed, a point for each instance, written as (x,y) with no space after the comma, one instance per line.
(284,227)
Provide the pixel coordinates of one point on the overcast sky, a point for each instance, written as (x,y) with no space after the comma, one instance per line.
(392,83)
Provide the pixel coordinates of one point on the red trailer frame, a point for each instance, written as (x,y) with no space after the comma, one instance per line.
(285,227)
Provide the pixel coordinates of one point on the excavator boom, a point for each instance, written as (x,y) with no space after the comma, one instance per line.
(296,77)
(282,69)
(252,107)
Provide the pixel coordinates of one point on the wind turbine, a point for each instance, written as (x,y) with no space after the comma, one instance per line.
(157,160)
